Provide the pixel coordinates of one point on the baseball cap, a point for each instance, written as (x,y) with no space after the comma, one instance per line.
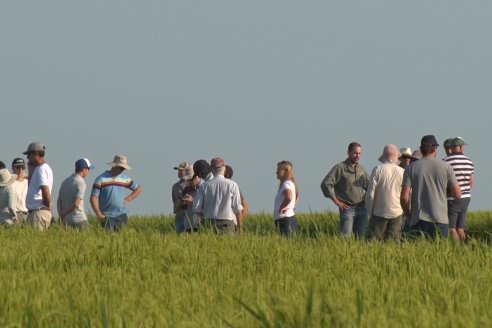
(18,162)
(217,162)
(429,140)
(447,142)
(34,146)
(188,173)
(182,166)
(84,163)
(457,142)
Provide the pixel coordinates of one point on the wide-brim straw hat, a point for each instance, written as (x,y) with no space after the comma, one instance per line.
(120,161)
(6,178)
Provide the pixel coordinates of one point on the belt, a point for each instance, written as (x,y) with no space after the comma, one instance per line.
(39,209)
(358,205)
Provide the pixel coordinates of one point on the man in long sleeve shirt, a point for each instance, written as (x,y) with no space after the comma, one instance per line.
(346,184)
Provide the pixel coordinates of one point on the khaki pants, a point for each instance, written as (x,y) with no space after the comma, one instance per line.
(39,219)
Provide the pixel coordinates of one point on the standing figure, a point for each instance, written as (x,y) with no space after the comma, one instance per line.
(383,197)
(176,194)
(70,203)
(427,181)
(464,170)
(286,200)
(20,188)
(109,195)
(346,185)
(8,198)
(38,198)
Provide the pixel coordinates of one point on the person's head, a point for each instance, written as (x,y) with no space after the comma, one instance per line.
(201,168)
(6,178)
(218,166)
(118,165)
(447,146)
(35,153)
(458,145)
(390,154)
(354,152)
(2,165)
(228,172)
(181,168)
(83,167)
(428,145)
(19,167)
(416,155)
(405,157)
(285,171)
(187,173)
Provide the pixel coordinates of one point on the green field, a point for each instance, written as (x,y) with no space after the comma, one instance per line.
(148,276)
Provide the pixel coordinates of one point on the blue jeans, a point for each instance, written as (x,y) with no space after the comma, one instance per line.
(353,220)
(116,223)
(287,226)
(179,222)
(430,229)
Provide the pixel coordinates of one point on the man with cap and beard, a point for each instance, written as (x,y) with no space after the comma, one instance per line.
(383,196)
(219,200)
(109,195)
(38,198)
(427,180)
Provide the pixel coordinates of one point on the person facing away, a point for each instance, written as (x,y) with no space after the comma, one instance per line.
(109,197)
(383,196)
(176,194)
(229,172)
(464,170)
(38,197)
(427,180)
(218,200)
(70,202)
(8,198)
(448,149)
(345,185)
(286,200)
(20,187)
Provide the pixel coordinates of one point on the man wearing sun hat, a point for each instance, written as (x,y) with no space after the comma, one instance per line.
(219,200)
(109,196)
(427,180)
(70,203)
(464,170)
(38,198)
(383,196)
(8,198)
(20,186)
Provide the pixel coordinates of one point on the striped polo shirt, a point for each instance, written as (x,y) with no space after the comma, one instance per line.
(111,192)
(463,169)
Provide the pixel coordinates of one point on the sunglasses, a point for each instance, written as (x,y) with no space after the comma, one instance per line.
(20,167)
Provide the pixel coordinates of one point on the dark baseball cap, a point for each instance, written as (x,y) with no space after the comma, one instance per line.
(18,162)
(457,142)
(429,140)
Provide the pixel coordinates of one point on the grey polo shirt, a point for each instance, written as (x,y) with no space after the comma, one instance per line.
(73,188)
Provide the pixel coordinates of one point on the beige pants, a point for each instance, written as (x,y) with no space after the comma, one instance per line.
(39,219)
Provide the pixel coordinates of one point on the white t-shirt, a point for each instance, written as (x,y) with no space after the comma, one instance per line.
(20,188)
(42,176)
(280,198)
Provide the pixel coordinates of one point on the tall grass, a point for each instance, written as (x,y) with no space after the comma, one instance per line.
(149,276)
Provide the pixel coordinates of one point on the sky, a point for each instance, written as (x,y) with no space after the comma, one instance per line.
(254,82)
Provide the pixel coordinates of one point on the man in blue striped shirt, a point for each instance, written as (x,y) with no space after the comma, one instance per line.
(464,170)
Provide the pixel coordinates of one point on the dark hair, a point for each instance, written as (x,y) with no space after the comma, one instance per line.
(353,145)
(228,172)
(427,149)
(2,165)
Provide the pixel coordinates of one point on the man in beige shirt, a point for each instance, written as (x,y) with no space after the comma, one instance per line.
(383,196)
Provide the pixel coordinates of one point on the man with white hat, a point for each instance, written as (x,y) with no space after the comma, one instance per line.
(20,186)
(109,194)
(383,196)
(405,157)
(38,198)
(70,203)
(8,198)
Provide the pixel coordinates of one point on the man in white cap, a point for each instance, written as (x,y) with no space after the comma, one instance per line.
(20,186)
(8,198)
(109,194)
(38,198)
(219,200)
(383,196)
(70,203)
(405,157)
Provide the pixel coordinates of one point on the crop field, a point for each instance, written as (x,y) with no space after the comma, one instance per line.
(147,276)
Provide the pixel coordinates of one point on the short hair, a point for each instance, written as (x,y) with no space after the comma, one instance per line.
(353,145)
(427,149)
(219,170)
(228,172)
(2,165)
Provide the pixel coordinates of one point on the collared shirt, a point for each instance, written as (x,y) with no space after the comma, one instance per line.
(218,199)
(42,176)
(111,192)
(384,190)
(463,169)
(346,182)
(176,193)
(73,188)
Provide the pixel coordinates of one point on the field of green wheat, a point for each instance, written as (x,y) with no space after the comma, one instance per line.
(147,276)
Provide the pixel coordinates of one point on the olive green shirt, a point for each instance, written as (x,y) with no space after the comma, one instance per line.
(346,182)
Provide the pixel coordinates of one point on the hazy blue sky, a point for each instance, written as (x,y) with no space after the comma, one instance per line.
(255,82)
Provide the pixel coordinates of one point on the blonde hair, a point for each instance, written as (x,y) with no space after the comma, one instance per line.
(289,168)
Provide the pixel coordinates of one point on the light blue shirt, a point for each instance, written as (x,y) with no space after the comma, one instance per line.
(111,192)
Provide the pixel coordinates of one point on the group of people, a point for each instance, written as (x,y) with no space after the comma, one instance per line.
(408,192)
(28,201)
